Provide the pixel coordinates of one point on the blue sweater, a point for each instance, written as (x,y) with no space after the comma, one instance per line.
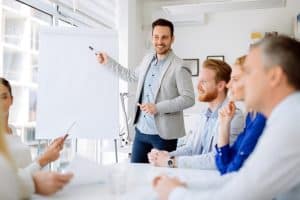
(230,159)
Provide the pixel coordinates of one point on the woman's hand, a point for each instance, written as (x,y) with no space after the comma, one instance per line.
(52,152)
(47,183)
(226,114)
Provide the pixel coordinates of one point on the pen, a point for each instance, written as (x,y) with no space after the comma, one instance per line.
(69,129)
(92,49)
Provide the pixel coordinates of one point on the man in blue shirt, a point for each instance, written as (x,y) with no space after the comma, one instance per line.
(199,152)
(164,90)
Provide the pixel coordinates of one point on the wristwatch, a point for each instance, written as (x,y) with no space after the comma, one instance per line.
(171,162)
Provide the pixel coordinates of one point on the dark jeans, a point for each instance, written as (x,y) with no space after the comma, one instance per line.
(143,143)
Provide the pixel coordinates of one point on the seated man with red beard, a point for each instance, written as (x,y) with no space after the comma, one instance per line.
(199,151)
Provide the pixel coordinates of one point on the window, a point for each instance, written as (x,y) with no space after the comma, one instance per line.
(19,50)
(19,46)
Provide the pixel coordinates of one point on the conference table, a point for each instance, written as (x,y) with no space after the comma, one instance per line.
(126,181)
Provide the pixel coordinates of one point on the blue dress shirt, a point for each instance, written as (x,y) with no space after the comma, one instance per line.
(146,122)
(230,159)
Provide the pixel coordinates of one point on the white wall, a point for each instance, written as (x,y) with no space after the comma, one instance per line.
(130,41)
(226,33)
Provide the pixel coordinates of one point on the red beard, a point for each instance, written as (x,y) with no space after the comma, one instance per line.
(208,96)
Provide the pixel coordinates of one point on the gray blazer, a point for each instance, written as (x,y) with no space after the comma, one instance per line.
(174,94)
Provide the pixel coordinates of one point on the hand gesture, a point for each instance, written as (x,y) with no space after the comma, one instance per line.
(102,58)
(52,152)
(226,113)
(158,158)
(148,108)
(47,183)
(164,185)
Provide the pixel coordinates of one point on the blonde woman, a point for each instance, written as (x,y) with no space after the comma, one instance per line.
(13,184)
(21,152)
(9,179)
(30,178)
(231,158)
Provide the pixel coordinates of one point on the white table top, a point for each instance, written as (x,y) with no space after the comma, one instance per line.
(135,179)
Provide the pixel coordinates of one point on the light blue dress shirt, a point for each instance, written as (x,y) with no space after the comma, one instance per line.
(199,152)
(146,122)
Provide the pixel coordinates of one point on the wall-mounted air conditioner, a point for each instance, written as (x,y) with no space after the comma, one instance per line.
(185,20)
(181,20)
(222,6)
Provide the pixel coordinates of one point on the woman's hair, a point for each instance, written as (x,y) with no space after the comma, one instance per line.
(240,61)
(3,147)
(6,83)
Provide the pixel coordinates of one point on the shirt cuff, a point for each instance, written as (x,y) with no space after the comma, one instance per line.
(224,150)
(27,187)
(33,167)
(181,162)
(172,153)
(177,194)
(222,156)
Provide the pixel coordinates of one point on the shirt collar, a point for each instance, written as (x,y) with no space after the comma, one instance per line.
(156,61)
(214,114)
(286,105)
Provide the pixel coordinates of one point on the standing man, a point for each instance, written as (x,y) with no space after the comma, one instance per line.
(164,90)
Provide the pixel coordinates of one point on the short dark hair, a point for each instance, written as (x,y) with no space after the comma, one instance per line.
(285,52)
(6,83)
(163,22)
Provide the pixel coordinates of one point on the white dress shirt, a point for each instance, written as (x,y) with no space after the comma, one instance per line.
(9,185)
(21,155)
(20,152)
(272,170)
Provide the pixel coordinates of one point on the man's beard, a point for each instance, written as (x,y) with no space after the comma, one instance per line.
(208,96)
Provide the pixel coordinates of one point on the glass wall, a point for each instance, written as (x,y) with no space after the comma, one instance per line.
(19,50)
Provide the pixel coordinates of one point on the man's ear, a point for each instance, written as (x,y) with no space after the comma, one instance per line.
(173,39)
(276,76)
(222,85)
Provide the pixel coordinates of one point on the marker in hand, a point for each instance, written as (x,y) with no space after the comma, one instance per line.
(69,129)
(102,57)
(92,49)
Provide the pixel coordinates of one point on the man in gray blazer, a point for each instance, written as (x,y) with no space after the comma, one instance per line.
(164,90)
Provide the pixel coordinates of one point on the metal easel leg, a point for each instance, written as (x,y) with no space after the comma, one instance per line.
(116,149)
